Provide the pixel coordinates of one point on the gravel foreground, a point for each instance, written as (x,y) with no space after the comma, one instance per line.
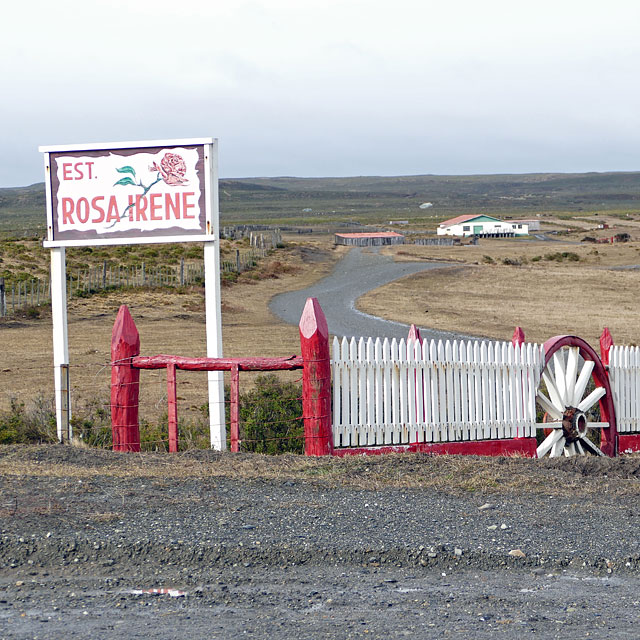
(85,534)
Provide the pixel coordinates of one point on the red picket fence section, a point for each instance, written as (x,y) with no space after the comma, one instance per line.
(316,381)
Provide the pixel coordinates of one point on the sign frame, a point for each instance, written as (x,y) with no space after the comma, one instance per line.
(213,314)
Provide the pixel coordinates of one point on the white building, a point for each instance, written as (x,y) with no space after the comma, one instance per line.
(481,225)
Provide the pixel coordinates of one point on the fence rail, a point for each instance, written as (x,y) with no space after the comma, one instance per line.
(19,296)
(389,392)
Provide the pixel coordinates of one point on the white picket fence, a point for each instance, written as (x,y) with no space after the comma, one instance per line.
(624,377)
(389,392)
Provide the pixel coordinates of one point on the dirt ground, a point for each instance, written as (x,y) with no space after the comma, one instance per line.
(284,546)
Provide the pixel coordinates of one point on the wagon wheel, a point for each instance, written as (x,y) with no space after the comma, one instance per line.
(568,403)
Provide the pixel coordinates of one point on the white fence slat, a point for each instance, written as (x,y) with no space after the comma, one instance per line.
(378,393)
(387,366)
(353,391)
(395,389)
(362,395)
(337,393)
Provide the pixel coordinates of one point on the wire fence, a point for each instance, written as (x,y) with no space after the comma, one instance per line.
(21,296)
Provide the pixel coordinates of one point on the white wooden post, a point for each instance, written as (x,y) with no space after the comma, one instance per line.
(60,343)
(217,429)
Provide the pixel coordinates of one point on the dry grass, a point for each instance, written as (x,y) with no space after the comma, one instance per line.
(168,322)
(459,475)
(546,298)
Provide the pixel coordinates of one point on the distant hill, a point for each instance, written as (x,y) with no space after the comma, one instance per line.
(376,198)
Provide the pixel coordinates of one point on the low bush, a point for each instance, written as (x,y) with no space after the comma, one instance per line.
(35,424)
(271,416)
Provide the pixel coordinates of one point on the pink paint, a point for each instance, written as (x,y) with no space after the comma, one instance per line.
(511,446)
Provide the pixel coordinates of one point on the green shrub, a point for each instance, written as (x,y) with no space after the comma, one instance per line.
(33,425)
(488,260)
(270,416)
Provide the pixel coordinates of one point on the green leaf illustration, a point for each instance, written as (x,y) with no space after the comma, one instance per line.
(125,181)
(127,169)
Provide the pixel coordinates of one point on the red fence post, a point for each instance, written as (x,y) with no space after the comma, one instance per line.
(518,337)
(234,409)
(125,383)
(172,411)
(316,380)
(606,342)
(414,334)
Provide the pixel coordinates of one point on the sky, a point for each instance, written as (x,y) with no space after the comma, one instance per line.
(328,88)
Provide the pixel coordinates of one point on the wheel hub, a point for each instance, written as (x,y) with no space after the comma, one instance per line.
(574,424)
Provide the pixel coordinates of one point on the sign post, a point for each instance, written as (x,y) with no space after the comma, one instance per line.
(133,193)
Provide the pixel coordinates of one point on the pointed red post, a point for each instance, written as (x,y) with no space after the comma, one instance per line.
(125,383)
(606,342)
(316,380)
(414,334)
(518,337)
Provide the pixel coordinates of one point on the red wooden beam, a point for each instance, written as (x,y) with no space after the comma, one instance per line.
(125,383)
(173,408)
(507,447)
(234,409)
(316,380)
(218,364)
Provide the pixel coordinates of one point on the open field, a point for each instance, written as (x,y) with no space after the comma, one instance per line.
(319,202)
(547,288)
(169,321)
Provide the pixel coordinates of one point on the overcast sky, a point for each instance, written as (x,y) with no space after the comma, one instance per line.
(328,88)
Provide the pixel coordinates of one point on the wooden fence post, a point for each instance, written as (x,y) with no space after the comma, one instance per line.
(414,334)
(125,383)
(606,342)
(316,380)
(518,337)
(172,413)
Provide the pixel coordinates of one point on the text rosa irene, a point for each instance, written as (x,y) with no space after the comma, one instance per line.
(138,208)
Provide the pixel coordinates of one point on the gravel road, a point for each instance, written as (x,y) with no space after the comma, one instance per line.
(281,558)
(357,273)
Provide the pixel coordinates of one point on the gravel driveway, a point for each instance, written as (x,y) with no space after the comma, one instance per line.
(359,272)
(282,558)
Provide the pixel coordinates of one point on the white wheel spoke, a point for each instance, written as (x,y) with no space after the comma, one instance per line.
(545,403)
(570,450)
(579,448)
(558,447)
(556,424)
(592,447)
(571,373)
(556,398)
(583,380)
(560,376)
(592,398)
(597,425)
(549,441)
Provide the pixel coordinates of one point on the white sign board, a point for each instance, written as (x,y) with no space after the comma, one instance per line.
(132,193)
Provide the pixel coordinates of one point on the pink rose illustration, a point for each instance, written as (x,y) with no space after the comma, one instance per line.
(172,169)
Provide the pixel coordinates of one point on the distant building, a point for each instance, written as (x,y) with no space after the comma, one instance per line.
(482,225)
(533,225)
(375,239)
